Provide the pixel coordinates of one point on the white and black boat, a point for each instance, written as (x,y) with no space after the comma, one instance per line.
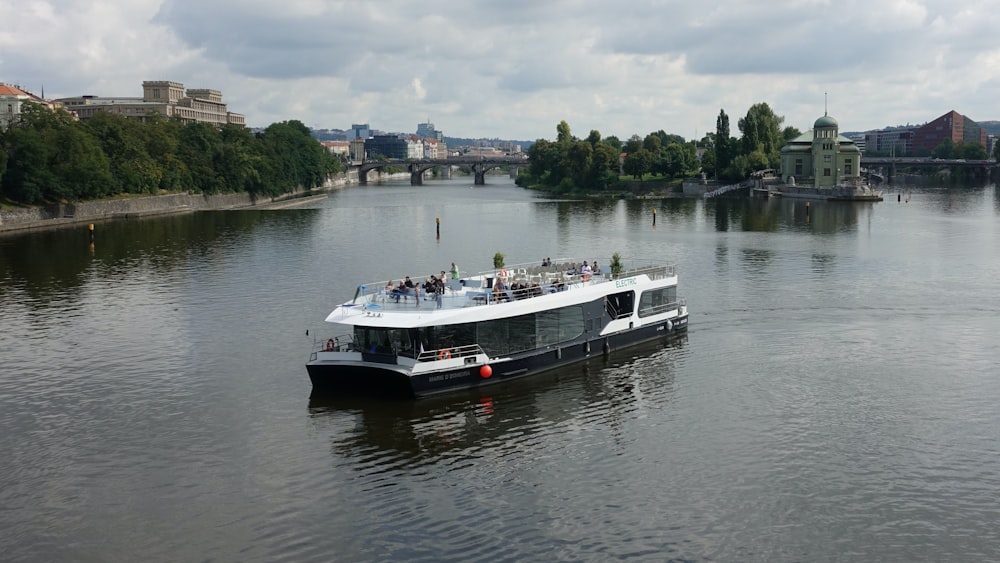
(491,327)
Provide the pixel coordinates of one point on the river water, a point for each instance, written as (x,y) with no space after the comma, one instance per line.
(835,398)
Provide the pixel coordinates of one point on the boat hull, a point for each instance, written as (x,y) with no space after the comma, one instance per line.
(332,378)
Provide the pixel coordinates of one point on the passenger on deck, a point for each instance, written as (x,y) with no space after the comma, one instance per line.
(439,290)
(546,262)
(559,285)
(500,291)
(596,268)
(455,274)
(585,271)
(517,289)
(572,270)
(535,290)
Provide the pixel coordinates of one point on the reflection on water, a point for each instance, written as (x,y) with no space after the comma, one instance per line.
(427,430)
(832,400)
(58,263)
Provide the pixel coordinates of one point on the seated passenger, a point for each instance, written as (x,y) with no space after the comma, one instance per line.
(519,290)
(572,270)
(596,268)
(500,291)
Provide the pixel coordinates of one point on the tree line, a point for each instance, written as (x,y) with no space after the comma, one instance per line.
(48,156)
(592,164)
(596,163)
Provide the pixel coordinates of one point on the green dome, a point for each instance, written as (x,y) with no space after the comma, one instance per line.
(825,121)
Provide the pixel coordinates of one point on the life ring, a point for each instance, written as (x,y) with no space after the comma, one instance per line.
(444,354)
(330,345)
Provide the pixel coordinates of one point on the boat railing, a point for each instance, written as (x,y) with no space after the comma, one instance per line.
(339,343)
(376,295)
(663,308)
(448,352)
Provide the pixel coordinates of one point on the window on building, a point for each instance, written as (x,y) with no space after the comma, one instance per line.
(798,166)
(847,168)
(156,93)
(826,171)
(827,158)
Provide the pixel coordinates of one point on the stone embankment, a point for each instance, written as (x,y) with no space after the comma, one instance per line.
(62,214)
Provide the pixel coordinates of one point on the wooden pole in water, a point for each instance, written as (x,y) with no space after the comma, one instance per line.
(91,228)
(438,221)
(654,216)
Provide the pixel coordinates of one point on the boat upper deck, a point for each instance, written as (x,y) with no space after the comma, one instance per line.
(497,287)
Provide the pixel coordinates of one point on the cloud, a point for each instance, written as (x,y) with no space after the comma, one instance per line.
(515,69)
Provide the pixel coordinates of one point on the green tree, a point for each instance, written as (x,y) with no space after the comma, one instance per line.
(81,169)
(761,130)
(563,135)
(633,144)
(637,163)
(604,169)
(724,149)
(28,174)
(789,133)
(708,163)
(594,138)
(944,150)
(973,151)
(133,170)
(3,161)
(540,159)
(613,142)
(199,148)
(52,157)
(580,162)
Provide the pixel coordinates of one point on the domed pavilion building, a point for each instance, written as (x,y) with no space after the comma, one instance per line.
(821,158)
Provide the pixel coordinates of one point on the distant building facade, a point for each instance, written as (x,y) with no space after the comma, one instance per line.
(163,97)
(341,149)
(920,141)
(951,125)
(435,149)
(898,142)
(821,157)
(427,131)
(388,146)
(11,100)
(359,131)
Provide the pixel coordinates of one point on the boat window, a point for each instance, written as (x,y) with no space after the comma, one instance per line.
(658,300)
(527,332)
(620,305)
(378,340)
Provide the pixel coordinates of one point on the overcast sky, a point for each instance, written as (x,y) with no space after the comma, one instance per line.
(514,68)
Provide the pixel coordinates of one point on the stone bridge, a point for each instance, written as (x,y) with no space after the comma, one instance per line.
(891,162)
(479,165)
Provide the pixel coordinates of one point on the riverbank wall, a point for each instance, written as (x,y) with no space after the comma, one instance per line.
(63,214)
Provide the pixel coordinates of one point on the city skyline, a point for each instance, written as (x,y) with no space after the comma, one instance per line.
(515,70)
